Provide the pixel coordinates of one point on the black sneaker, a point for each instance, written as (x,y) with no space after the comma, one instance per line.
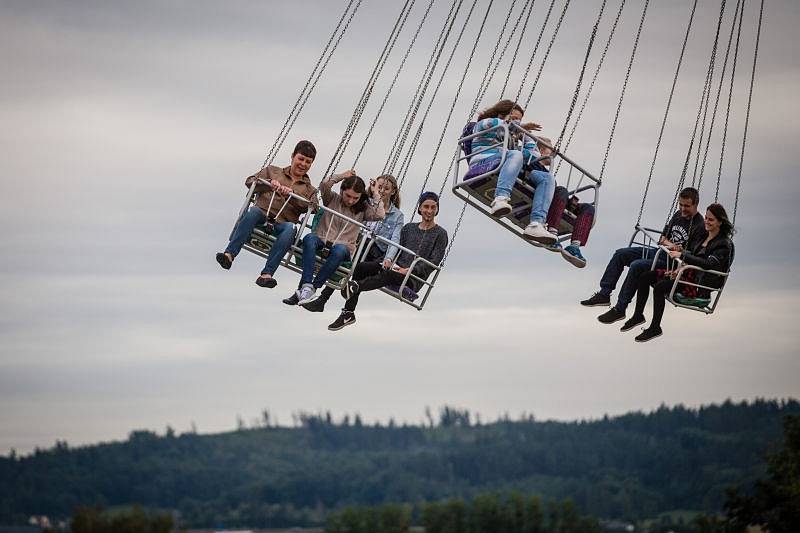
(315,306)
(269,283)
(611,316)
(350,289)
(597,299)
(648,334)
(292,300)
(345,319)
(632,322)
(224,261)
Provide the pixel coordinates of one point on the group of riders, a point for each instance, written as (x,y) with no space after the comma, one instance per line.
(284,195)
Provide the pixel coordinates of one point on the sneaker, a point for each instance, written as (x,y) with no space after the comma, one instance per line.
(292,300)
(632,322)
(572,254)
(269,283)
(611,316)
(224,261)
(555,247)
(350,288)
(536,232)
(597,299)
(345,319)
(500,206)
(315,306)
(306,294)
(648,334)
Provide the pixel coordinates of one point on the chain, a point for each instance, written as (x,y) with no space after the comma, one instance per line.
(535,49)
(529,6)
(666,112)
(547,53)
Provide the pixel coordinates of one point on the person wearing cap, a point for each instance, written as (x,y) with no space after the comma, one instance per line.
(426,238)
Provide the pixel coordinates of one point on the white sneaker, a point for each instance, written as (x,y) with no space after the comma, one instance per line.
(537,232)
(306,294)
(500,206)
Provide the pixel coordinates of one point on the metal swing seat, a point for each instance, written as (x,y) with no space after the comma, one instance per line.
(706,296)
(478,184)
(263,238)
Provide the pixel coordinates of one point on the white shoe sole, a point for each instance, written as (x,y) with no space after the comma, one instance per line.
(307,300)
(501,211)
(342,326)
(541,239)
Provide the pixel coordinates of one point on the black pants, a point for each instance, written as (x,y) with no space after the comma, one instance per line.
(375,254)
(371,276)
(660,291)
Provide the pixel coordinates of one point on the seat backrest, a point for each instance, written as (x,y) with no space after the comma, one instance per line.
(466,146)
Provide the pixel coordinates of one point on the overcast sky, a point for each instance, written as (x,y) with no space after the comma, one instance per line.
(128,128)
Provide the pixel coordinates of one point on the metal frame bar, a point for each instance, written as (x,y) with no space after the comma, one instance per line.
(462,190)
(681,267)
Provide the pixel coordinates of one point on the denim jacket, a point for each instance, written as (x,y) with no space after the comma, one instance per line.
(389,228)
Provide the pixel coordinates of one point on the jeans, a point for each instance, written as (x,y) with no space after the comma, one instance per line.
(637,265)
(339,254)
(375,255)
(544,184)
(284,235)
(371,276)
(508,173)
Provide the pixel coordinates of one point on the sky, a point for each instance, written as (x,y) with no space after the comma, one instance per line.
(130,127)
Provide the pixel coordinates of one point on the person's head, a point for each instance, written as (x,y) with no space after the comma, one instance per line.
(428,206)
(544,144)
(717,220)
(303,156)
(504,109)
(387,185)
(687,202)
(353,192)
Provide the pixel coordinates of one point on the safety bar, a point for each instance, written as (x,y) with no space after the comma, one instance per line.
(436,269)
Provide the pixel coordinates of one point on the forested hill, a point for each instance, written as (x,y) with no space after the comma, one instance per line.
(631,466)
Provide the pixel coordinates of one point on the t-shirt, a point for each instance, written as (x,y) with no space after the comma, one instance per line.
(679,230)
(430,244)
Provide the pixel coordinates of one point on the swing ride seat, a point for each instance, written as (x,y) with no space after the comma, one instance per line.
(404,292)
(477,186)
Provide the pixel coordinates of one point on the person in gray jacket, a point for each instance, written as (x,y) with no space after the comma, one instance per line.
(427,239)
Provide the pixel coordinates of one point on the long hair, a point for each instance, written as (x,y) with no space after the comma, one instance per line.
(356,184)
(503,107)
(395,198)
(726,228)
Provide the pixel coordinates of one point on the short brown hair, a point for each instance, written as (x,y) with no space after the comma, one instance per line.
(306,148)
(690,193)
(503,107)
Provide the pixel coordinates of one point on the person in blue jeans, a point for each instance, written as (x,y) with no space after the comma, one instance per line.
(536,158)
(336,232)
(684,229)
(273,202)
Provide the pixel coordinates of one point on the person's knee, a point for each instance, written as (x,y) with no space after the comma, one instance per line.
(340,252)
(586,209)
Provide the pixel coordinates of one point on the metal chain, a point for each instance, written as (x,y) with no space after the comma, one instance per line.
(535,49)
(666,112)
(580,76)
(365,95)
(547,53)
(274,148)
(730,98)
(719,93)
(394,81)
(706,89)
(313,85)
(747,114)
(529,6)
(622,94)
(413,148)
(591,85)
(422,88)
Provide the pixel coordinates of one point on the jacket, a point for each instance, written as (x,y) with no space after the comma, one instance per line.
(295,208)
(717,255)
(335,230)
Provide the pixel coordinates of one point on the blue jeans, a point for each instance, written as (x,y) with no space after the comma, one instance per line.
(284,235)
(639,260)
(545,185)
(338,255)
(508,174)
